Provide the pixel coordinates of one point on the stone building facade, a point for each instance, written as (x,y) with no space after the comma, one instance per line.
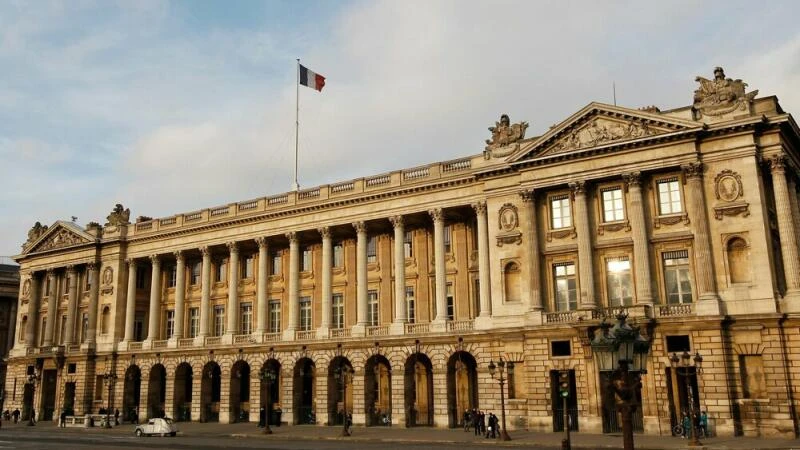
(389,295)
(9,289)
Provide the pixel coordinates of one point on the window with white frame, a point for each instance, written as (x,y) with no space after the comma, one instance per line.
(172,276)
(677,282)
(194,322)
(248,267)
(305,314)
(669,196)
(619,281)
(246,318)
(408,244)
(565,286)
(613,206)
(411,309)
(170,328)
(337,311)
(372,249)
(372,308)
(338,255)
(451,302)
(222,270)
(197,268)
(274,316)
(560,213)
(448,243)
(276,263)
(307,260)
(219,320)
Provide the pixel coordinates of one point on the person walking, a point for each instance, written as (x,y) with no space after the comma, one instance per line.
(703,425)
(33,415)
(116,416)
(481,423)
(62,419)
(15,414)
(687,426)
(465,420)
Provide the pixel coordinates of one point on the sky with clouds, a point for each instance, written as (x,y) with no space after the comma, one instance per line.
(169,107)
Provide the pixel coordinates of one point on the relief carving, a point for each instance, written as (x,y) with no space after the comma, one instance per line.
(62,238)
(721,95)
(26,288)
(36,231)
(728,186)
(601,131)
(505,137)
(108,279)
(508,221)
(119,216)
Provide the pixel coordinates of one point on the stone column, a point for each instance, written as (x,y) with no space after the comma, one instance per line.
(400,312)
(72,305)
(155,299)
(704,261)
(641,245)
(94,301)
(327,263)
(792,185)
(33,311)
(11,334)
(205,293)
(531,241)
(263,274)
(361,276)
(791,263)
(180,294)
(233,289)
(130,301)
(294,286)
(586,299)
(441,283)
(52,308)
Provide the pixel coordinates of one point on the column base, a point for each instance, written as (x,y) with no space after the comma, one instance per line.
(288,334)
(708,305)
(172,343)
(147,344)
(482,322)
(397,328)
(358,330)
(790,303)
(534,318)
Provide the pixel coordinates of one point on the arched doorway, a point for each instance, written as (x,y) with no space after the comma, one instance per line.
(462,386)
(182,396)
(270,391)
(157,391)
(240,392)
(418,390)
(131,392)
(210,392)
(303,390)
(378,391)
(340,390)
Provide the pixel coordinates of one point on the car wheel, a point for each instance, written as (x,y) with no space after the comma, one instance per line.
(139,432)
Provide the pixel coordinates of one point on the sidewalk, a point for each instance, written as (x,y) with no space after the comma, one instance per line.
(436,435)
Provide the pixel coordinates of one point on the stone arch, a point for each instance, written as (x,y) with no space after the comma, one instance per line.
(210,392)
(270,377)
(340,389)
(131,392)
(462,386)
(157,391)
(105,320)
(377,390)
(512,282)
(303,381)
(737,253)
(182,392)
(239,393)
(418,382)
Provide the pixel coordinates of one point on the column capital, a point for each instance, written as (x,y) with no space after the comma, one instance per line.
(154,259)
(397,221)
(70,269)
(480,208)
(692,170)
(291,236)
(233,246)
(578,187)
(777,163)
(131,262)
(51,272)
(325,232)
(93,265)
(205,251)
(261,242)
(528,195)
(360,226)
(632,179)
(437,214)
(179,255)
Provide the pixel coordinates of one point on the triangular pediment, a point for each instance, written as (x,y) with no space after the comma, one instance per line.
(60,235)
(601,125)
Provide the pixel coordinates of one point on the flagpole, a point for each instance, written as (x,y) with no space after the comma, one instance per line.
(296,185)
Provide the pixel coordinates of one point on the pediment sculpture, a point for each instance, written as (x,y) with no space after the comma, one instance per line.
(36,231)
(505,137)
(119,216)
(600,132)
(721,95)
(62,238)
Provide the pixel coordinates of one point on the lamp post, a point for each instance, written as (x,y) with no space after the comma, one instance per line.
(624,351)
(344,373)
(110,378)
(683,366)
(33,380)
(501,377)
(268,376)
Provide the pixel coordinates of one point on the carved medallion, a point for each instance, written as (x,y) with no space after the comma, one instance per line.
(728,186)
(108,275)
(508,221)
(26,289)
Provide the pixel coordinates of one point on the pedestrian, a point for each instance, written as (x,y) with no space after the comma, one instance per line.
(476,425)
(482,422)
(687,426)
(704,424)
(116,416)
(15,414)
(62,419)
(465,420)
(492,426)
(33,415)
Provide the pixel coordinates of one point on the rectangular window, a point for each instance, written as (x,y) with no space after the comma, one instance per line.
(372,308)
(613,209)
(41,331)
(88,280)
(669,196)
(678,344)
(451,302)
(676,277)
(305,314)
(337,311)
(560,348)
(172,275)
(307,261)
(138,328)
(246,319)
(411,309)
(274,316)
(98,387)
(248,267)
(197,267)
(620,282)
(84,327)
(221,273)
(448,231)
(140,280)
(408,244)
(476,291)
(561,216)
(565,288)
(276,263)
(338,255)
(194,322)
(219,320)
(372,249)
(170,331)
(62,330)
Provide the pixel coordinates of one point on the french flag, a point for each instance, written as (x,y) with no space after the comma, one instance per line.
(311,79)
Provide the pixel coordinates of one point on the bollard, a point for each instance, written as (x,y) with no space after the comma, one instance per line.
(565,444)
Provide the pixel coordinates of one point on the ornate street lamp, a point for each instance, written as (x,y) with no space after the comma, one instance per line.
(624,351)
(33,380)
(344,374)
(268,376)
(501,377)
(110,378)
(683,366)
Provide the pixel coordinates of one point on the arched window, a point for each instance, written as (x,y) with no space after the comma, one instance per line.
(738,264)
(511,282)
(23,325)
(105,323)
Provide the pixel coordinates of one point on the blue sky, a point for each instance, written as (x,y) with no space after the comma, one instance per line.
(169,107)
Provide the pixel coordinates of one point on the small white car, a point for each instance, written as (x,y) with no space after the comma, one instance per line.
(162,427)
